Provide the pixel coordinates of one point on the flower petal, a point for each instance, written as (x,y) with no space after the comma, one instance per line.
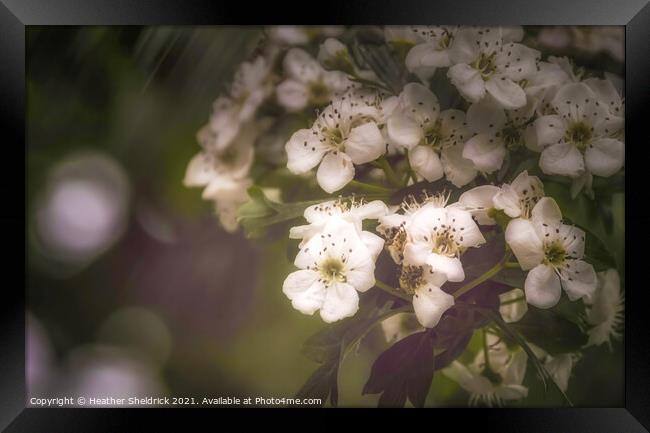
(604,157)
(449,266)
(542,287)
(426,162)
(304,151)
(458,170)
(478,201)
(486,152)
(525,243)
(578,279)
(292,95)
(546,211)
(365,143)
(506,92)
(485,117)
(373,242)
(403,130)
(562,159)
(468,81)
(335,171)
(549,129)
(464,228)
(341,301)
(429,303)
(305,292)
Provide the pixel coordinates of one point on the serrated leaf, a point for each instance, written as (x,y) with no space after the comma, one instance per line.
(404,370)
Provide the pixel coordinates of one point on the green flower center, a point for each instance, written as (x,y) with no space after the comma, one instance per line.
(332,270)
(512,137)
(554,253)
(578,134)
(485,64)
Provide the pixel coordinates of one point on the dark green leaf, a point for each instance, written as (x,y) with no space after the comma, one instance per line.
(403,371)
(551,331)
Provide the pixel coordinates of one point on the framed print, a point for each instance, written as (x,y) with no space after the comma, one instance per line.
(414,205)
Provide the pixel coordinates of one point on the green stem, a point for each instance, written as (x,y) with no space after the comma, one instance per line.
(486,276)
(511,265)
(389,172)
(371,188)
(388,289)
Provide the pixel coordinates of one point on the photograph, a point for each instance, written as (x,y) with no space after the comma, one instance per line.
(325,216)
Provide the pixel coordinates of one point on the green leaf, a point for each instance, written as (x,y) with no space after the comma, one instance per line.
(323,383)
(404,370)
(551,331)
(379,58)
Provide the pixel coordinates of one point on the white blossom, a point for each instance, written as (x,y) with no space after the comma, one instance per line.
(307,83)
(429,300)
(320,215)
(552,252)
(495,381)
(344,134)
(605,309)
(437,236)
(434,140)
(334,266)
(487,61)
(302,35)
(583,134)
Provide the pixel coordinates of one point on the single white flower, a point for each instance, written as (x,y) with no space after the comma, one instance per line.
(605,309)
(518,198)
(429,47)
(429,300)
(434,140)
(582,135)
(344,134)
(495,379)
(333,267)
(497,131)
(307,83)
(250,87)
(553,253)
(437,236)
(318,216)
(513,305)
(486,61)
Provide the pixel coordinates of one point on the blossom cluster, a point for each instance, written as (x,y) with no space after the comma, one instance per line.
(466,113)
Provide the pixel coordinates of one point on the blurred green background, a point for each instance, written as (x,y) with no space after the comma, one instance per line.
(132,285)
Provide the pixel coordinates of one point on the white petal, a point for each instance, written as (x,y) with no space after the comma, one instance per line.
(478,201)
(429,303)
(321,212)
(420,101)
(449,266)
(485,117)
(549,129)
(542,287)
(464,228)
(365,143)
(572,101)
(486,152)
(525,243)
(341,301)
(421,60)
(507,200)
(604,157)
(426,162)
(424,219)
(506,92)
(468,81)
(199,171)
(559,367)
(573,240)
(562,159)
(335,172)
(292,95)
(370,210)
(458,170)
(373,242)
(304,151)
(578,280)
(403,130)
(517,61)
(416,253)
(305,292)
(463,48)
(546,211)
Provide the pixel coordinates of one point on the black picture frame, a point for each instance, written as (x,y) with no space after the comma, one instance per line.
(15,15)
